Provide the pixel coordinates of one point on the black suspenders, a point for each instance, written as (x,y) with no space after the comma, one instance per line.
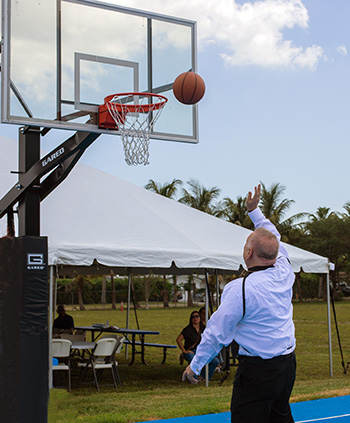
(243,293)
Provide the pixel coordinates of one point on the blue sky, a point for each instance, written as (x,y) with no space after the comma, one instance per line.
(276,107)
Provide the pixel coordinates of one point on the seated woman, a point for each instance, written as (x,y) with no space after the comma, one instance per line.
(191,334)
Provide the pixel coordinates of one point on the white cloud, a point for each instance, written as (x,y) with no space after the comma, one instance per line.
(342,50)
(309,58)
(251,33)
(246,34)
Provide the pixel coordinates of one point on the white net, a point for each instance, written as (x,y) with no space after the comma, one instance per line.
(135,115)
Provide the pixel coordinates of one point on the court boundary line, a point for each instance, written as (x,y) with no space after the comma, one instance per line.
(322,418)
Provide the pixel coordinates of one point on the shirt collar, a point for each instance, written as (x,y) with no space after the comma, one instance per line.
(257,268)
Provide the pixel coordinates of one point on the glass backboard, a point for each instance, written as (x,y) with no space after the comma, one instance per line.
(61,58)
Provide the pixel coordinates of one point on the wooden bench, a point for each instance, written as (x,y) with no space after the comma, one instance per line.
(150,344)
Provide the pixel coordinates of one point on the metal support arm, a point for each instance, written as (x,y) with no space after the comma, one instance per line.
(64,158)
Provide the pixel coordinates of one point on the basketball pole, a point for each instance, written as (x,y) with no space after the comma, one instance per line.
(29,262)
(29,203)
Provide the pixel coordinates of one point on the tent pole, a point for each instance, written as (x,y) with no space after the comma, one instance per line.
(217,288)
(206,320)
(54,292)
(329,327)
(128,309)
(51,311)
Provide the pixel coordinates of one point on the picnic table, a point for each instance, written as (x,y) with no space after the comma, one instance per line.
(98,330)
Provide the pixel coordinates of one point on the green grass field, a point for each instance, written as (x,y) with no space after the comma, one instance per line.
(156,392)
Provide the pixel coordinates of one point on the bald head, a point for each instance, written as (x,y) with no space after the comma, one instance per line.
(261,248)
(265,244)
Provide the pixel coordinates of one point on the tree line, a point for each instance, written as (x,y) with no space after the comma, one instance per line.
(324,232)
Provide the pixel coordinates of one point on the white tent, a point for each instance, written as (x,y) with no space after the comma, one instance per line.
(93,217)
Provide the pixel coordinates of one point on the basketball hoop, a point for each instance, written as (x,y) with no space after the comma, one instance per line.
(134,115)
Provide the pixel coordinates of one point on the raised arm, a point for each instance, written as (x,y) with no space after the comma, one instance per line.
(252,201)
(259,219)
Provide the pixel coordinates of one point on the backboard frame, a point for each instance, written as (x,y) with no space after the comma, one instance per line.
(8,86)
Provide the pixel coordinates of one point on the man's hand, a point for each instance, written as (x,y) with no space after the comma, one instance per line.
(253,201)
(189,374)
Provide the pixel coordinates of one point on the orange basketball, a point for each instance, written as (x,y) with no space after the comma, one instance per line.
(189,88)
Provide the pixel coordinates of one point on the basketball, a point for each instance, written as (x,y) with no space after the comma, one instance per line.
(189,88)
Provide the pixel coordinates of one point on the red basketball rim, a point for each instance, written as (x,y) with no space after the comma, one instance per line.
(136,107)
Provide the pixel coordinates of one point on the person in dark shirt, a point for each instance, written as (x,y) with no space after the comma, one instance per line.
(64,323)
(201,313)
(192,334)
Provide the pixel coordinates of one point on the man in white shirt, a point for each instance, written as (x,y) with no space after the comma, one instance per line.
(256,311)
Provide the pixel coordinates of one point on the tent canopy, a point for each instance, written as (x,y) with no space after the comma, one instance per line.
(94,219)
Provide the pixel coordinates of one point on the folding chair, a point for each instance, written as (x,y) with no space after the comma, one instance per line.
(61,349)
(118,349)
(102,358)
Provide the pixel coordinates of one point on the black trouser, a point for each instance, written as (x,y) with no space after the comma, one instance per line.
(262,389)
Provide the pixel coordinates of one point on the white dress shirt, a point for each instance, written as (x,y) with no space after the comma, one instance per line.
(267,329)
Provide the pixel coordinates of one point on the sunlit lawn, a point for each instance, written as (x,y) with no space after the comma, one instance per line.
(155,391)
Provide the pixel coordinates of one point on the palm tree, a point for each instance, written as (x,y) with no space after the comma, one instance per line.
(235,212)
(200,198)
(168,189)
(347,208)
(189,288)
(322,213)
(79,282)
(274,207)
(327,234)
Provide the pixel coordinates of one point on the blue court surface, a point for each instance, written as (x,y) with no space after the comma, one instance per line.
(329,410)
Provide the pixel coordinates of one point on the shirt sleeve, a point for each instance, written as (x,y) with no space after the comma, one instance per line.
(220,327)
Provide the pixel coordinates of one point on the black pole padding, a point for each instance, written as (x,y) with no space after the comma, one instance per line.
(23,330)
(10,287)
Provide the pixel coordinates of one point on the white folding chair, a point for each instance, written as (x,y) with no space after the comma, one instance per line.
(61,350)
(118,349)
(102,358)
